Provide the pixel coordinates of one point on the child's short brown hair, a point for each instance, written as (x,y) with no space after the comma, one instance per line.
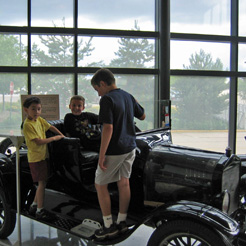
(30,100)
(103,74)
(77,97)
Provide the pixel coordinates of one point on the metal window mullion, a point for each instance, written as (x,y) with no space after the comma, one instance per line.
(29,82)
(75,47)
(164,49)
(233,79)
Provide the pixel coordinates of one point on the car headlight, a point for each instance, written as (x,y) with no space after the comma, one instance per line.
(226,202)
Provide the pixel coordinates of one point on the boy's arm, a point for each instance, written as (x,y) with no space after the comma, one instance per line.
(142,117)
(107,132)
(40,141)
(141,108)
(55,130)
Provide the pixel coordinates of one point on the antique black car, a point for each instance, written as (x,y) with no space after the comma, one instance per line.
(190,196)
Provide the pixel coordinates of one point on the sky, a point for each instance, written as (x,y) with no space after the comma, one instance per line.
(98,12)
(188,16)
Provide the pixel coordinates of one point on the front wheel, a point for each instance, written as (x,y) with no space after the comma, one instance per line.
(7,217)
(185,233)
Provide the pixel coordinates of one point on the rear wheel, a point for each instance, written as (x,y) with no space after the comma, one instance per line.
(7,217)
(186,233)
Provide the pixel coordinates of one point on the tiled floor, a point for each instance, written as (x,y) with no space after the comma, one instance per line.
(38,234)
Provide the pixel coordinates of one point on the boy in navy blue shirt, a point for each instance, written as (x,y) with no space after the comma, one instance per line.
(117,152)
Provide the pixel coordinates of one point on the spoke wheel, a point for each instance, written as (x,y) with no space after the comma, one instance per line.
(7,217)
(186,233)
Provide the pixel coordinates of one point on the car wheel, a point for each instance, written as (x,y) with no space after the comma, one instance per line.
(7,147)
(185,233)
(7,217)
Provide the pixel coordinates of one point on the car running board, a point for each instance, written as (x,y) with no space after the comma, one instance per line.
(87,228)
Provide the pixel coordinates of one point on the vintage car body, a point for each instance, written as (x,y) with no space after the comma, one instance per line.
(176,173)
(175,189)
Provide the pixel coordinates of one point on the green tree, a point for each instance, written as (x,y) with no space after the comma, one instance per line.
(57,50)
(199,101)
(12,53)
(133,52)
(137,53)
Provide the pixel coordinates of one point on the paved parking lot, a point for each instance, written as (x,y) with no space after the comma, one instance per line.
(212,140)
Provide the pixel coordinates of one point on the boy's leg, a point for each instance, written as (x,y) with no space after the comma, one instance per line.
(124,200)
(40,193)
(35,198)
(109,229)
(124,195)
(104,199)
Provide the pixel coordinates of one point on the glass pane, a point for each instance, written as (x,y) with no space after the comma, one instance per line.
(87,91)
(13,13)
(13,50)
(200,111)
(120,14)
(199,55)
(116,52)
(241,57)
(52,13)
(52,50)
(242,18)
(202,17)
(61,84)
(11,87)
(241,117)
(142,87)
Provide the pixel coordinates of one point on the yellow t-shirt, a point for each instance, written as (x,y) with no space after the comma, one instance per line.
(32,130)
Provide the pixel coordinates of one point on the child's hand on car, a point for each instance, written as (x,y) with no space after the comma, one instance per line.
(58,137)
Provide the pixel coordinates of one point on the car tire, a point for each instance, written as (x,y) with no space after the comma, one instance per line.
(7,217)
(182,232)
(7,147)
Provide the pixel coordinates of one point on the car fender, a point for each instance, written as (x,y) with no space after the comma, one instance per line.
(202,213)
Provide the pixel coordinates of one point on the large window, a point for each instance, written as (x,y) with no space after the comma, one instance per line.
(200,107)
(242,18)
(203,17)
(241,116)
(242,57)
(120,14)
(48,13)
(56,46)
(13,50)
(205,57)
(141,86)
(61,84)
(11,87)
(197,55)
(52,50)
(117,52)
(13,13)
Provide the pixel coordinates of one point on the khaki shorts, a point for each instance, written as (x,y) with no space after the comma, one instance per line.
(117,166)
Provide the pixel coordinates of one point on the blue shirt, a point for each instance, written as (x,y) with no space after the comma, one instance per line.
(119,108)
